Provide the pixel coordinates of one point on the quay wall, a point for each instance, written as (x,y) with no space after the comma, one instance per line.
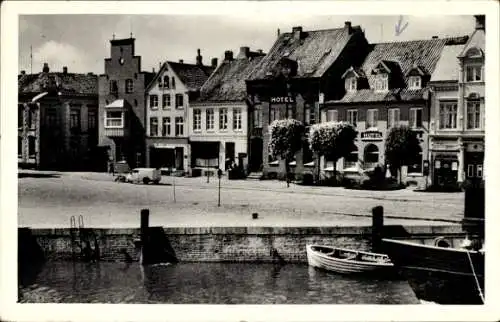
(230,244)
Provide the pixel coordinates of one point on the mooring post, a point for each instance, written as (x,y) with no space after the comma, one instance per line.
(144,225)
(377,227)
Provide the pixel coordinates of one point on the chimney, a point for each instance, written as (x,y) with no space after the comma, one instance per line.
(228,55)
(244,52)
(435,37)
(297,32)
(181,61)
(480,22)
(199,58)
(45,68)
(348,26)
(214,62)
(23,72)
(260,51)
(65,70)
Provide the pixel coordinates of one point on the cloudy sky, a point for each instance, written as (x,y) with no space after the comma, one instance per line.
(81,42)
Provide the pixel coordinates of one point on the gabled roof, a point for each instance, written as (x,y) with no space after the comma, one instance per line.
(68,84)
(447,67)
(191,75)
(227,83)
(476,40)
(314,52)
(356,71)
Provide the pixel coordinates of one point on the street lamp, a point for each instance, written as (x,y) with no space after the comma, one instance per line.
(219,174)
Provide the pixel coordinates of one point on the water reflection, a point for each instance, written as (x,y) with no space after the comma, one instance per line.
(214,283)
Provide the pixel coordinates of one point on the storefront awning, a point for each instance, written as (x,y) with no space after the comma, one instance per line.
(116,104)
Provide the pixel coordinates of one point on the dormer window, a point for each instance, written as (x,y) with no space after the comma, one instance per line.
(415,82)
(474,73)
(381,82)
(352,84)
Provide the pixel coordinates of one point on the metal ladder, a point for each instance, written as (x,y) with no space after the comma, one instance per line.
(80,238)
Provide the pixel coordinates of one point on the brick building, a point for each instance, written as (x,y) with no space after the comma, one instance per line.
(219,120)
(122,117)
(458,112)
(390,88)
(58,121)
(168,97)
(301,70)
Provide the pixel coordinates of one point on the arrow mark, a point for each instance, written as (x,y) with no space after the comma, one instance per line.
(400,27)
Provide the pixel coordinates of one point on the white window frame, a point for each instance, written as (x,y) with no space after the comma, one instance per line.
(116,126)
(151,119)
(352,84)
(474,69)
(210,119)
(237,119)
(414,82)
(196,120)
(223,119)
(166,101)
(445,113)
(476,115)
(470,170)
(257,112)
(381,83)
(166,126)
(180,95)
(332,116)
(479,171)
(393,117)
(413,118)
(179,123)
(350,118)
(371,118)
(129,86)
(153,103)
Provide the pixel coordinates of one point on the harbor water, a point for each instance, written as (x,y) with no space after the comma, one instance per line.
(206,283)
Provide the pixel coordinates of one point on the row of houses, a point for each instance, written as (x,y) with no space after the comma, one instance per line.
(195,117)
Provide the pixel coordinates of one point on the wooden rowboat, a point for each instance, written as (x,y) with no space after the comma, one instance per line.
(347,261)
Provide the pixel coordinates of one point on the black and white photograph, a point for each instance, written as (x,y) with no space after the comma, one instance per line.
(293,156)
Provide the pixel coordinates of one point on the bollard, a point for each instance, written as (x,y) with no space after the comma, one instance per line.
(144,225)
(255,215)
(377,227)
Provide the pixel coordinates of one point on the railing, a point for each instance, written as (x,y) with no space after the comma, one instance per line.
(114,123)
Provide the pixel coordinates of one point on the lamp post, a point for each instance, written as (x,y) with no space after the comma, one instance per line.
(219,174)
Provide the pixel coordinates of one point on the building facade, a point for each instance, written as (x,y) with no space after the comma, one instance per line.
(219,120)
(58,121)
(458,110)
(167,104)
(302,69)
(389,89)
(122,120)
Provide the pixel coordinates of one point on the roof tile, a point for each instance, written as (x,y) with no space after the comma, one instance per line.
(70,83)
(193,76)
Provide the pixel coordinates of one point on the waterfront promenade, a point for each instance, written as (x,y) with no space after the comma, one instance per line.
(49,199)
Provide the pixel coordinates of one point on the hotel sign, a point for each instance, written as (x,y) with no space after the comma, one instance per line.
(282,99)
(371,135)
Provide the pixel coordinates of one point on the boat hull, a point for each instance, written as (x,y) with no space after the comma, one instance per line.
(345,266)
(438,274)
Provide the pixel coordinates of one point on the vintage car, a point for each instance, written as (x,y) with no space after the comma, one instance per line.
(144,175)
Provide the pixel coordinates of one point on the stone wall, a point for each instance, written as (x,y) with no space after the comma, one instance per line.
(226,244)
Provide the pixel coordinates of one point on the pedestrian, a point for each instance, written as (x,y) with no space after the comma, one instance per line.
(112,168)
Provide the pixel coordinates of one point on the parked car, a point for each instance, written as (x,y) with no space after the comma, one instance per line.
(144,175)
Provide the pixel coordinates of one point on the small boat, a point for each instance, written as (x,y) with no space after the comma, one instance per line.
(347,261)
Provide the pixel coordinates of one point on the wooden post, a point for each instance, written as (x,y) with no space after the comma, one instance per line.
(144,225)
(377,227)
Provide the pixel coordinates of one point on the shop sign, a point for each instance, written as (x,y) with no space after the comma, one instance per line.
(371,135)
(282,99)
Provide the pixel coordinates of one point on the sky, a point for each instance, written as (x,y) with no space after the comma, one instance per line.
(81,42)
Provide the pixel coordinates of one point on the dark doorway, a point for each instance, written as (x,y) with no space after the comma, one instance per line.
(256,146)
(230,154)
(179,158)
(161,158)
(445,171)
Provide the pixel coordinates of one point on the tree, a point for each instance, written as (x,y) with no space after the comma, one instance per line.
(402,147)
(286,140)
(332,139)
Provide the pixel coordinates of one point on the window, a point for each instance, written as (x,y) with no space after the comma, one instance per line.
(310,117)
(473,73)
(129,86)
(74,120)
(415,82)
(448,115)
(165,101)
(166,82)
(290,111)
(473,114)
(470,170)
(352,158)
(31,146)
(113,87)
(371,118)
(113,119)
(179,100)
(352,84)
(179,126)
(153,126)
(210,121)
(415,118)
(479,171)
(332,116)
(92,119)
(223,119)
(196,120)
(352,117)
(165,126)
(257,116)
(381,82)
(237,122)
(274,113)
(153,101)
(173,82)
(371,156)
(416,165)
(393,118)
